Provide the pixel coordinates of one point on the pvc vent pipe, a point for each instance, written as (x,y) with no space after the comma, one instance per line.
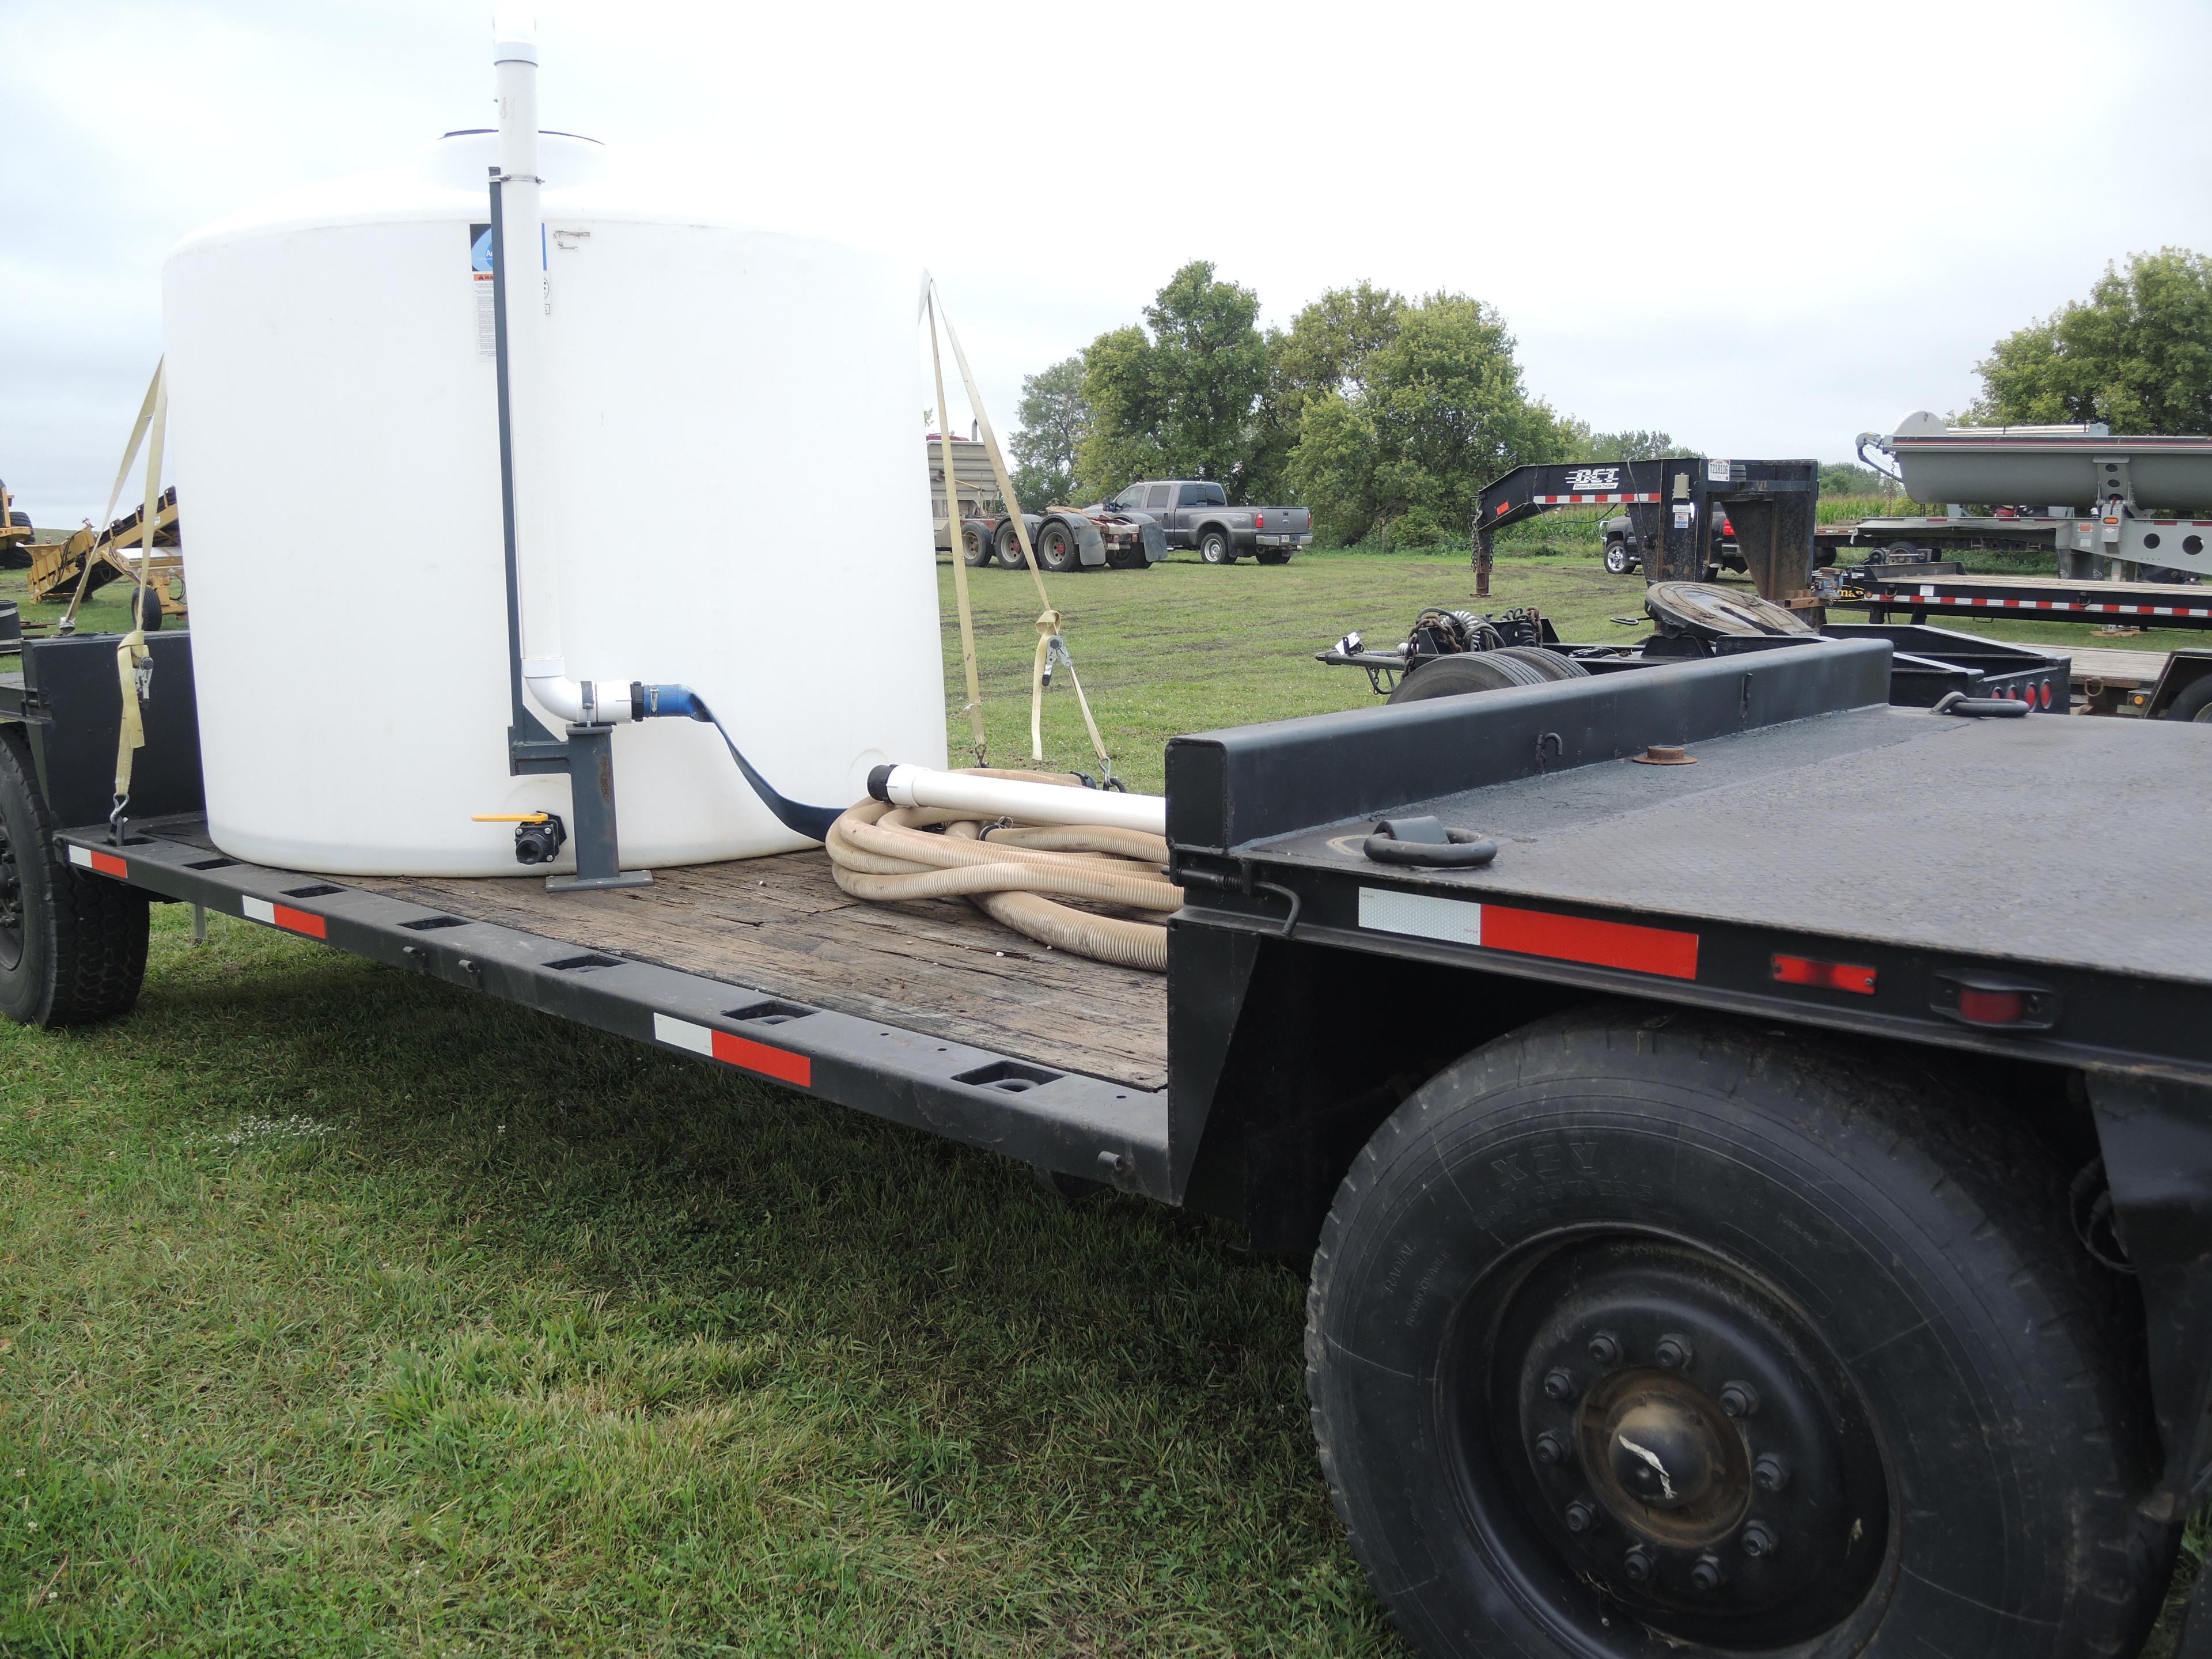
(522,267)
(1032,803)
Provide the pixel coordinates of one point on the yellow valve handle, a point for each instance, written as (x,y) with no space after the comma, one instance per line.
(509,818)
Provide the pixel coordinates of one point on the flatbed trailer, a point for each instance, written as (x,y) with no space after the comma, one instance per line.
(1708,1257)
(1919,596)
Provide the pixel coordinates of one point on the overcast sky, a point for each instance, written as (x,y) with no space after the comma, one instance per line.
(1762,228)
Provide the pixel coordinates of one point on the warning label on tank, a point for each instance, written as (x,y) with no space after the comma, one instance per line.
(480,280)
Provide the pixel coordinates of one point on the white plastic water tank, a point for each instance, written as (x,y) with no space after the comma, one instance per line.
(738,505)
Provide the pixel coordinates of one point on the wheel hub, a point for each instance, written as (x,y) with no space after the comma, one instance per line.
(1682,1439)
(1661,1450)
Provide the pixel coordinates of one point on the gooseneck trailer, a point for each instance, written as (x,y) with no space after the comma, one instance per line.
(1708,1257)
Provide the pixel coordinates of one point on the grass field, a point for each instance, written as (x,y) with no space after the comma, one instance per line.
(1185,647)
(343,1312)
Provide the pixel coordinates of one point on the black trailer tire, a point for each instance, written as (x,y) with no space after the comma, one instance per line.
(2192,703)
(1549,664)
(1618,561)
(1010,547)
(1456,677)
(1937,1428)
(1056,550)
(976,548)
(1215,547)
(72,945)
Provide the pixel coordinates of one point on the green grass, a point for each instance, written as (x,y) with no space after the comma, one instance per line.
(1185,647)
(106,611)
(343,1312)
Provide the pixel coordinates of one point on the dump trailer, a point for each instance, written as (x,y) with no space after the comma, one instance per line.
(977,498)
(2082,492)
(1706,1256)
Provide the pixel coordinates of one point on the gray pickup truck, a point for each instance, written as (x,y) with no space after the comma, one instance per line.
(1195,514)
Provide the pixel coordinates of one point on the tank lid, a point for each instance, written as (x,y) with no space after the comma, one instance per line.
(462,159)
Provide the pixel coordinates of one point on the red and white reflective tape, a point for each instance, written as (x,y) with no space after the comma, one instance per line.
(734,1050)
(282,915)
(103,864)
(1532,932)
(1991,602)
(1589,501)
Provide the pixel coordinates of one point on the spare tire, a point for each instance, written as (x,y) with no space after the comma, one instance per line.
(1550,664)
(1456,677)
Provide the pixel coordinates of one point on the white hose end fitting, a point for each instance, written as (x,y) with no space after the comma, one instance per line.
(898,786)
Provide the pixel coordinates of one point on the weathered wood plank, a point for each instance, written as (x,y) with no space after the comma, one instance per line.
(782,926)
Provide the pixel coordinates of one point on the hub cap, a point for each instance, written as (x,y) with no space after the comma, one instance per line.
(1676,1436)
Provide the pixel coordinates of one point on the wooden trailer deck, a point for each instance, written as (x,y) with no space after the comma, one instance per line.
(782,926)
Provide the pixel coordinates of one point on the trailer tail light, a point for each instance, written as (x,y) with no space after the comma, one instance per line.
(1991,1007)
(1824,975)
(1999,1004)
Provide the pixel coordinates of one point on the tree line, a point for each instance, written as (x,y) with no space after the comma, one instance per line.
(1384,414)
(1387,415)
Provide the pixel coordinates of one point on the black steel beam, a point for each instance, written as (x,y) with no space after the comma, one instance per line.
(1061,1121)
(1226,789)
(2147,1026)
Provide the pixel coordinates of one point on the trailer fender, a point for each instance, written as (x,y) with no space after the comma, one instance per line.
(2156,1138)
(2184,669)
(1090,545)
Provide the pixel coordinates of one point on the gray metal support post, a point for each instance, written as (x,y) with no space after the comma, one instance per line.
(592,808)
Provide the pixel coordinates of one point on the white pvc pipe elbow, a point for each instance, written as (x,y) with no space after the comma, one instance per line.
(1032,803)
(580,702)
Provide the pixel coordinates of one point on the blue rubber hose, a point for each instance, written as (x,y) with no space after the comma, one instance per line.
(666,701)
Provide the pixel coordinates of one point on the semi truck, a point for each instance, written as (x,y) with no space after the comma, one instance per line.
(1706,1257)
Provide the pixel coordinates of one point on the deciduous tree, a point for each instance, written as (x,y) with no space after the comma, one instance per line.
(1442,411)
(1184,400)
(1055,419)
(2137,353)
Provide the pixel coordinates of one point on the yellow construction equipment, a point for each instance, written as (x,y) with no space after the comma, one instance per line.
(91,559)
(16,533)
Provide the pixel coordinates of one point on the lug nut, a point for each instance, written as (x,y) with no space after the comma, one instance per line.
(1739,1398)
(1709,1574)
(1769,1474)
(1580,1517)
(1637,1564)
(1560,1385)
(1674,1351)
(1550,1449)
(1759,1543)
(1605,1347)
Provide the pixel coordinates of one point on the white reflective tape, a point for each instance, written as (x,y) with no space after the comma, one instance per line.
(258,910)
(81,858)
(1456,921)
(683,1034)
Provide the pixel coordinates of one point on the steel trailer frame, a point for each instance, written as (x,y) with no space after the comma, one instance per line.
(1288,941)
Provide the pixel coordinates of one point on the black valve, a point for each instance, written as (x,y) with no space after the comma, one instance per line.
(539,839)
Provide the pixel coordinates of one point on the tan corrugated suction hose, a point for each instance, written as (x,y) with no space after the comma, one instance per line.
(1018,874)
